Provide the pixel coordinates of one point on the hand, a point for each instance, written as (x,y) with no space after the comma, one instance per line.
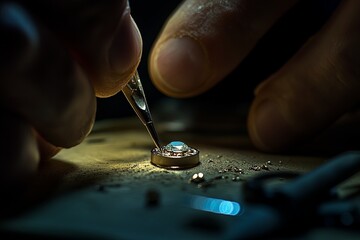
(318,87)
(56,57)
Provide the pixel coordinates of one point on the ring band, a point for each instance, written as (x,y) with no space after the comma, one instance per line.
(175,159)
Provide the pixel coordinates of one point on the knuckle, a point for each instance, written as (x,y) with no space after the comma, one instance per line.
(344,59)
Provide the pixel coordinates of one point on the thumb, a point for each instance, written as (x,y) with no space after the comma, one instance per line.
(314,89)
(204,41)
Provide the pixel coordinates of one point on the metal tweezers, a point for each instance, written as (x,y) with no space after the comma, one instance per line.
(135,95)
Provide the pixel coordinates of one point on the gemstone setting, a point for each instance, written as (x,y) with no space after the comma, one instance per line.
(175,155)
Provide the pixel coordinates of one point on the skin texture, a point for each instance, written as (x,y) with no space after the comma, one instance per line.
(53,66)
(316,89)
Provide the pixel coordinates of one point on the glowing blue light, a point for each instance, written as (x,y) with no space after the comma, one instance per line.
(226,207)
(215,205)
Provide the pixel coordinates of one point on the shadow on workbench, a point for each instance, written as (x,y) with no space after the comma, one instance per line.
(103,184)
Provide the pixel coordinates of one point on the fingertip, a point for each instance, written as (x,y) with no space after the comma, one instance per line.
(46,149)
(179,67)
(269,129)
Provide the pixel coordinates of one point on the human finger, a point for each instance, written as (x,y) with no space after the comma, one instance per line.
(101,35)
(314,89)
(18,149)
(40,82)
(203,41)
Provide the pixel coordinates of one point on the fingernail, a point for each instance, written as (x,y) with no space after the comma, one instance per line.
(181,65)
(269,130)
(126,48)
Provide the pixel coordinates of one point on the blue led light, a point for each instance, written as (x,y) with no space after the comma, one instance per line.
(215,205)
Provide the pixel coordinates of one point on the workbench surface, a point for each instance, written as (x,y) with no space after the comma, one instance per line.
(106,187)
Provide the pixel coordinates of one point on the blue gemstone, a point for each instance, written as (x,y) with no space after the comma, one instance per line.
(177,146)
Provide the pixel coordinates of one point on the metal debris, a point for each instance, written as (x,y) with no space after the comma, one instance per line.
(265,167)
(197,178)
(236,179)
(211,182)
(238,170)
(255,168)
(232,169)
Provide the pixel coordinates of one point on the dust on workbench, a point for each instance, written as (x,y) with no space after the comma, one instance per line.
(117,154)
(116,157)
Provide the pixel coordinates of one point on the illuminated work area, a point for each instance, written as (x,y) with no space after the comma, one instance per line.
(170,156)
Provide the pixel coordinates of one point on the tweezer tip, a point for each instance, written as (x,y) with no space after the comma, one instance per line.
(152,131)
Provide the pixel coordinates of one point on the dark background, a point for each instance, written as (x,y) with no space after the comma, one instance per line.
(275,48)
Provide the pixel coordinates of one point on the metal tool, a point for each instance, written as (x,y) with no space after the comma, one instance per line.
(306,201)
(135,95)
